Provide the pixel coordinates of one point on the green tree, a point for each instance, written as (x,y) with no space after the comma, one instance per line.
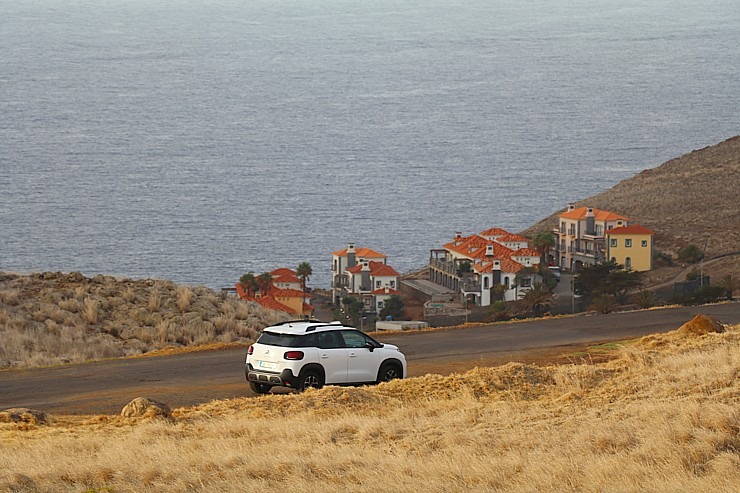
(304,271)
(543,241)
(264,283)
(536,299)
(691,253)
(353,308)
(393,307)
(606,278)
(248,283)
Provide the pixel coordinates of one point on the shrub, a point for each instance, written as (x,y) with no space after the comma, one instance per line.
(184,298)
(604,304)
(644,298)
(691,253)
(90,310)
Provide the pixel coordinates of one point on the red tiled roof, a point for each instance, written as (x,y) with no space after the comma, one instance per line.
(580,213)
(288,293)
(512,238)
(307,308)
(376,269)
(273,304)
(526,252)
(290,278)
(634,229)
(474,247)
(494,232)
(361,253)
(507,265)
(283,271)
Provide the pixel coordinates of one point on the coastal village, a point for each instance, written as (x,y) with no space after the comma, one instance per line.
(468,275)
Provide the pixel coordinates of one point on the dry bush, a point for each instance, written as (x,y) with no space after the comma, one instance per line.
(90,310)
(155,301)
(10,297)
(71,305)
(223,323)
(129,294)
(184,298)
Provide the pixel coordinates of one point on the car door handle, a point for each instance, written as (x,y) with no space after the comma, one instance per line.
(324,356)
(352,355)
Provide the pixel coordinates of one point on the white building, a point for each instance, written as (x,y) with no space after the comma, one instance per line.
(364,274)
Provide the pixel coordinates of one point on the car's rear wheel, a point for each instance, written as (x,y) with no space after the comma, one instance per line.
(260,388)
(388,372)
(310,379)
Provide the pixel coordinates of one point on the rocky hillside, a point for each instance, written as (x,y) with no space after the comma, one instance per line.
(685,200)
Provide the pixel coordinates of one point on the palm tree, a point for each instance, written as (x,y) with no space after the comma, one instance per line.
(248,283)
(264,282)
(304,271)
(543,242)
(536,299)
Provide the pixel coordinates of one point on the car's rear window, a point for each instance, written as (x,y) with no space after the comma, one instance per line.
(286,340)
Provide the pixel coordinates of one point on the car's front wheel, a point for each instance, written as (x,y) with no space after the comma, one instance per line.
(310,379)
(260,388)
(388,372)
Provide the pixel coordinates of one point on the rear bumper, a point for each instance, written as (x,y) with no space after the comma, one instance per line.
(284,379)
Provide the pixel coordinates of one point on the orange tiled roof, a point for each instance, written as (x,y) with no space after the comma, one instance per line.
(526,252)
(283,271)
(507,265)
(286,278)
(361,253)
(512,238)
(599,215)
(494,232)
(376,269)
(634,229)
(273,304)
(474,247)
(288,293)
(307,308)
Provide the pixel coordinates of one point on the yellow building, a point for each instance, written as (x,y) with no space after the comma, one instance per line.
(631,246)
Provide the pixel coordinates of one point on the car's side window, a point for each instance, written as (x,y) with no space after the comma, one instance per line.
(329,340)
(354,339)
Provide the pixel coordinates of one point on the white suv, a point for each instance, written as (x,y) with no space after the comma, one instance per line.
(302,354)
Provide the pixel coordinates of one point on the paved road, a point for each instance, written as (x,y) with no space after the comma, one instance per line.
(193,378)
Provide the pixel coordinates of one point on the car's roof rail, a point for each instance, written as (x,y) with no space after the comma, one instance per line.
(302,320)
(333,324)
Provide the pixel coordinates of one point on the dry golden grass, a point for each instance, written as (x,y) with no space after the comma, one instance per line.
(53,318)
(662,416)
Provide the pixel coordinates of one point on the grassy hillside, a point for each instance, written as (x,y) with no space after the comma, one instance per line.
(684,200)
(53,318)
(664,415)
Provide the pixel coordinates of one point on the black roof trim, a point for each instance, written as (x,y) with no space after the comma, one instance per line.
(314,327)
(302,320)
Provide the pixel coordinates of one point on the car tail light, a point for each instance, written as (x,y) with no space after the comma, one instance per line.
(293,355)
(250,350)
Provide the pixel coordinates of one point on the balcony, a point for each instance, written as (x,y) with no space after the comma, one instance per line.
(445,266)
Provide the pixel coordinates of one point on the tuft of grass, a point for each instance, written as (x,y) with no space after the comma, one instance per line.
(90,310)
(184,298)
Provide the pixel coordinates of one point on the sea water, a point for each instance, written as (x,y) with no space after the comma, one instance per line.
(196,140)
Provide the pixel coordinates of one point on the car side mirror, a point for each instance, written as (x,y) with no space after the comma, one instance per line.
(370,346)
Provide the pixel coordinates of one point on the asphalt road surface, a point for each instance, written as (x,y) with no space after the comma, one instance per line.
(194,378)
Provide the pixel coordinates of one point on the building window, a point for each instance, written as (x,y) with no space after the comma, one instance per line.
(628,243)
(393,284)
(377,284)
(526,282)
(613,242)
(562,227)
(644,243)
(628,263)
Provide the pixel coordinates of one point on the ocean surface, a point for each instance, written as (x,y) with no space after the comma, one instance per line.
(196,140)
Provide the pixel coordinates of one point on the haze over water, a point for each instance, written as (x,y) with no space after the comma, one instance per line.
(196,140)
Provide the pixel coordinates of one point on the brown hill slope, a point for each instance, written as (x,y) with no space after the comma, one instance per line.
(685,200)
